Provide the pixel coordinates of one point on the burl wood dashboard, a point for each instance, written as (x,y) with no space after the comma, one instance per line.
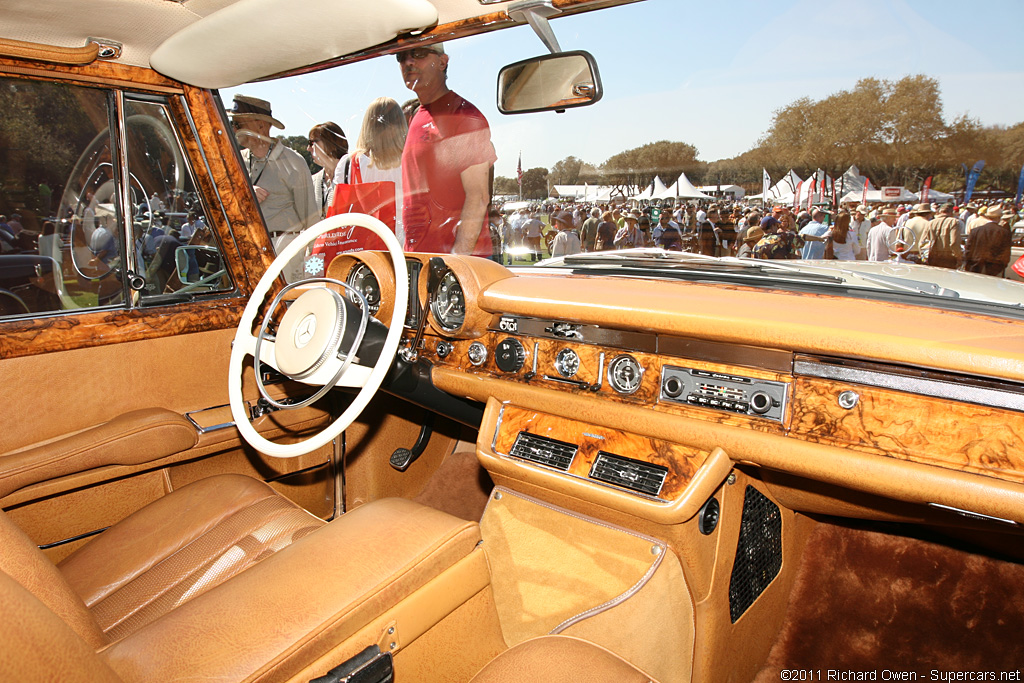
(641,395)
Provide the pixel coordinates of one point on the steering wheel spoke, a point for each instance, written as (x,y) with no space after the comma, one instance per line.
(323,339)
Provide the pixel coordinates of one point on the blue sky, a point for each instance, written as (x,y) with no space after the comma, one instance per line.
(709,74)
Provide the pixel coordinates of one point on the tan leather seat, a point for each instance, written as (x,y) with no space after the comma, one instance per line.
(559,659)
(158,558)
(287,615)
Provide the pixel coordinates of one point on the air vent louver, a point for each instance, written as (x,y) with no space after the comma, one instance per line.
(543,451)
(631,474)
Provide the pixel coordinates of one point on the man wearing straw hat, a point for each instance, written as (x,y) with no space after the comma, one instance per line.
(279,175)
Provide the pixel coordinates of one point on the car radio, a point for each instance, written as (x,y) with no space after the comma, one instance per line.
(720,391)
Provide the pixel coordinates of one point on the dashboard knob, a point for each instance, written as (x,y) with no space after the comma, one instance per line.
(672,387)
(760,402)
(510,356)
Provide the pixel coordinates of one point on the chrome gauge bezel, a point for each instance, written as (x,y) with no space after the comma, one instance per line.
(449,314)
(359,278)
(567,363)
(614,368)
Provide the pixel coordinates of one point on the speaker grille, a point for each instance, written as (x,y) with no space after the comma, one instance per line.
(758,552)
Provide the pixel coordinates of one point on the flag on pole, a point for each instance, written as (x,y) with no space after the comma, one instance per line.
(926,190)
(972,179)
(766,183)
(1020,189)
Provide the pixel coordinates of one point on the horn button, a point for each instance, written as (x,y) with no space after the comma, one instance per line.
(310,332)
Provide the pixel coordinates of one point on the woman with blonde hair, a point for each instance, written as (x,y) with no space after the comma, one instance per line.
(377,155)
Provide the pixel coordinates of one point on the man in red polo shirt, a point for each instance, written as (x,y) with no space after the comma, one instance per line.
(446,163)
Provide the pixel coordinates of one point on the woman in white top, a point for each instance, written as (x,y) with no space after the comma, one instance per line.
(378,152)
(327,145)
(845,250)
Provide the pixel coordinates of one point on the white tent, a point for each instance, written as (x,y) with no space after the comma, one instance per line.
(781,192)
(682,188)
(936,196)
(646,194)
(811,189)
(734,191)
(875,196)
(852,181)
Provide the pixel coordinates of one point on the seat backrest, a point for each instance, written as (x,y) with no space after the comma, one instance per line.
(38,645)
(25,564)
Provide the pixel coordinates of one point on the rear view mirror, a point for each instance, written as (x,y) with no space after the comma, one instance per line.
(551,82)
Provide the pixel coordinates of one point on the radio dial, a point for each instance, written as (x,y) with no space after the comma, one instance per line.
(760,402)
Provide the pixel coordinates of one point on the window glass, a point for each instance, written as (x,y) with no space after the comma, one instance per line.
(58,218)
(174,248)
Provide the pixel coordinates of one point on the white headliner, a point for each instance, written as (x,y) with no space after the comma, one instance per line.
(274,33)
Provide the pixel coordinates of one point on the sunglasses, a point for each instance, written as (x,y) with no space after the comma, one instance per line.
(312,143)
(415,53)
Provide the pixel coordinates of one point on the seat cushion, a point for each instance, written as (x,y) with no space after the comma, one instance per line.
(180,546)
(559,659)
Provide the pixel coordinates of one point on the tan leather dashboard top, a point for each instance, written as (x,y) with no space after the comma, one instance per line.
(949,448)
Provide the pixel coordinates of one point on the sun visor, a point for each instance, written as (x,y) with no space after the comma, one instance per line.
(252,39)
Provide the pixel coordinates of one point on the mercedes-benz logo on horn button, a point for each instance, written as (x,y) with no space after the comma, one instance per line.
(304,331)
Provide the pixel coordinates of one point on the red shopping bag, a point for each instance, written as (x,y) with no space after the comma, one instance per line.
(1018,266)
(374,199)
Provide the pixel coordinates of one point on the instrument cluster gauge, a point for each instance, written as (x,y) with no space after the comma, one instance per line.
(362,279)
(448,303)
(625,374)
(567,363)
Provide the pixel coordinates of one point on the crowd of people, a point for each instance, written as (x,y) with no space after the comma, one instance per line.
(975,237)
(423,168)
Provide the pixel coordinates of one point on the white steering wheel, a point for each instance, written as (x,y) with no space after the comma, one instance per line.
(307,346)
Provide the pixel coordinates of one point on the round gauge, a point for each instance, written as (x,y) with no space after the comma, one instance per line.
(624,374)
(510,356)
(448,303)
(362,279)
(567,362)
(477,353)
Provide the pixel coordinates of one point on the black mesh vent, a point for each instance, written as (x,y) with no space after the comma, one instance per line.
(543,451)
(631,474)
(758,552)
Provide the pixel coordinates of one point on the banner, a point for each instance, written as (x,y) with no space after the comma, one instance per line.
(972,179)
(926,190)
(1020,189)
(519,174)
(864,194)
(796,194)
(766,183)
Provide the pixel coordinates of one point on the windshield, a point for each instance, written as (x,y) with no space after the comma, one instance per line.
(795,146)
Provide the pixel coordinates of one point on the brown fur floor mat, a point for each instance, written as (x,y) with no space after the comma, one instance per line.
(866,601)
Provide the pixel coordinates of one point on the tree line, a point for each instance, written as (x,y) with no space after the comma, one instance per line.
(893,131)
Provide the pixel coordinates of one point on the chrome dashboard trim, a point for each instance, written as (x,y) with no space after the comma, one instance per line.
(964,389)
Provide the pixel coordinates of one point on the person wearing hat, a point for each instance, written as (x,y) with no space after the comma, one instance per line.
(921,216)
(279,176)
(446,164)
(878,236)
(629,236)
(860,225)
(777,242)
(942,240)
(750,237)
(987,249)
(567,241)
